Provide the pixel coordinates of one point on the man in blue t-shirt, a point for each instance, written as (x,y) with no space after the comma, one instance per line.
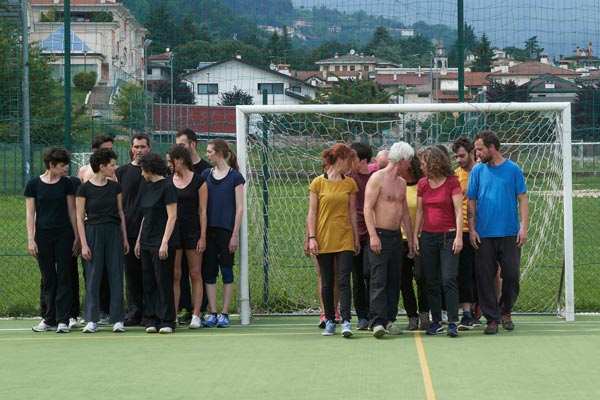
(496,187)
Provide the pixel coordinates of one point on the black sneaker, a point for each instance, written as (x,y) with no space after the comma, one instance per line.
(476,322)
(466,323)
(507,322)
(186,318)
(492,328)
(131,322)
(434,328)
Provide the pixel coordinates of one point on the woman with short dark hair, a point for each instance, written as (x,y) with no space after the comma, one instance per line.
(52,236)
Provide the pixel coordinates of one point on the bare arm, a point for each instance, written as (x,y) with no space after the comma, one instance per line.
(407,227)
(524,211)
(73,218)
(473,235)
(239,212)
(163,251)
(371,194)
(203,201)
(311,220)
(136,249)
(123,227)
(457,201)
(30,221)
(86,253)
(418,224)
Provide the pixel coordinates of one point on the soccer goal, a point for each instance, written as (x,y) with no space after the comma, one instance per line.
(279,153)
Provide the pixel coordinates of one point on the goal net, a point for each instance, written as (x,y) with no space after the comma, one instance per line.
(279,151)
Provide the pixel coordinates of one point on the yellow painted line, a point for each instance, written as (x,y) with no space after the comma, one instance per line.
(429,392)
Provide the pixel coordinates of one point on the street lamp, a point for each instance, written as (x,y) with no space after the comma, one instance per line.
(172,111)
(147,43)
(85,60)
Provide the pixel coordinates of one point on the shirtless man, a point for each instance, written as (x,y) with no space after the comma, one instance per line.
(385,212)
(98,142)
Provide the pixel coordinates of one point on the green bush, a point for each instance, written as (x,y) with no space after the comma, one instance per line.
(85,80)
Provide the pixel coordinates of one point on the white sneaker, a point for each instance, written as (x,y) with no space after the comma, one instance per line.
(73,323)
(91,327)
(62,328)
(444,317)
(196,322)
(41,327)
(151,329)
(379,331)
(166,329)
(118,327)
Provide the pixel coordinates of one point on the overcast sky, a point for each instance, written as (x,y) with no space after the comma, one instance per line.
(560,25)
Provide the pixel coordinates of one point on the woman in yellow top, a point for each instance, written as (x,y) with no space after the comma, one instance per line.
(332,231)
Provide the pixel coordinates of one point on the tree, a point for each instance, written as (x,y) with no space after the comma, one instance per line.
(470,43)
(130,106)
(532,48)
(483,56)
(182,93)
(235,97)
(381,37)
(506,93)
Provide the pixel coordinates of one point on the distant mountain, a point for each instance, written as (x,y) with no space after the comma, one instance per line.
(560,25)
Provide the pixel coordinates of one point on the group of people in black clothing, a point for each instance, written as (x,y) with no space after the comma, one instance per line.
(146,219)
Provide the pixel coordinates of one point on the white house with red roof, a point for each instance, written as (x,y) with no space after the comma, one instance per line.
(528,70)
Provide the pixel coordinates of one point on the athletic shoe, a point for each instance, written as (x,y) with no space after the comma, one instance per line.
(329,329)
(338,318)
(507,322)
(452,330)
(62,328)
(379,331)
(196,322)
(476,322)
(466,323)
(434,328)
(41,327)
(166,330)
(477,316)
(223,321)
(73,323)
(118,327)
(211,321)
(82,321)
(104,319)
(492,328)
(362,325)
(424,320)
(131,322)
(322,321)
(346,329)
(151,329)
(393,329)
(444,317)
(90,327)
(413,323)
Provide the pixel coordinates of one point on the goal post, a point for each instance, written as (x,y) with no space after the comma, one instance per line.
(278,148)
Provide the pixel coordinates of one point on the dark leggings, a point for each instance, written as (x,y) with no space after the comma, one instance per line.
(343,262)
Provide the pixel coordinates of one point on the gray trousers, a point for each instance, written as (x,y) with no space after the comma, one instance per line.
(106,245)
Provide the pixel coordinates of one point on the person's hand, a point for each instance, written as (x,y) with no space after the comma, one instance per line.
(356,246)
(416,245)
(305,247)
(125,246)
(233,244)
(136,249)
(86,253)
(375,244)
(32,248)
(411,250)
(76,247)
(474,239)
(201,245)
(313,246)
(163,251)
(521,237)
(457,245)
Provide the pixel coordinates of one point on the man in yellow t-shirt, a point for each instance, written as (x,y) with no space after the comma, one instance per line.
(465,158)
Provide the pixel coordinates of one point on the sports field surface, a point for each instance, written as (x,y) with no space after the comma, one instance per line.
(287,358)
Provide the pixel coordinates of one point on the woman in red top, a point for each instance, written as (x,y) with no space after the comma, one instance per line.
(439,219)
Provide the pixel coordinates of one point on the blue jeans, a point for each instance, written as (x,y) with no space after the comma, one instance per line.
(441,270)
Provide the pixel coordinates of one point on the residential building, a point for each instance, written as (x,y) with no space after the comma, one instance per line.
(351,66)
(525,71)
(548,88)
(214,79)
(105,37)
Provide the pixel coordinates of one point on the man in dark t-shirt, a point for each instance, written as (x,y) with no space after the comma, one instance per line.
(132,182)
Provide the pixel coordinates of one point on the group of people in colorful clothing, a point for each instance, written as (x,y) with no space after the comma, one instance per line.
(456,232)
(146,220)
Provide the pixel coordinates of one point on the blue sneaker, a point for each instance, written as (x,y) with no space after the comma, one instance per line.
(452,330)
(222,321)
(434,328)
(362,324)
(329,329)
(211,321)
(346,329)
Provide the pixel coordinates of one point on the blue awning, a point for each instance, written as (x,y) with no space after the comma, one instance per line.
(55,43)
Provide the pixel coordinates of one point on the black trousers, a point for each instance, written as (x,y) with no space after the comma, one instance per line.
(491,252)
(185,294)
(134,284)
(343,265)
(386,274)
(360,291)
(55,248)
(466,272)
(158,287)
(412,268)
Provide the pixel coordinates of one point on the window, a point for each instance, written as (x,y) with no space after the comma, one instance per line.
(352,68)
(149,71)
(296,89)
(208,88)
(474,91)
(271,88)
(423,95)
